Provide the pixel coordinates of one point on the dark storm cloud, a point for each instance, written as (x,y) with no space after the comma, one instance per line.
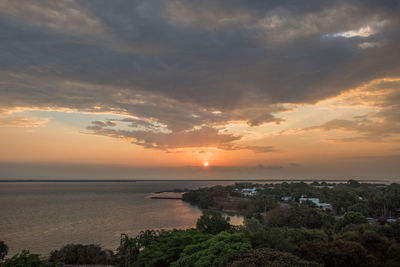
(192,63)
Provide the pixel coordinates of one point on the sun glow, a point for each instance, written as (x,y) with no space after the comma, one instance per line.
(205,164)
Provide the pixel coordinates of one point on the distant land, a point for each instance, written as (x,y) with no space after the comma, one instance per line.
(188,180)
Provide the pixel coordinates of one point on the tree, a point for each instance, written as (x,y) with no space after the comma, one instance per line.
(342,197)
(298,216)
(3,250)
(393,256)
(353,217)
(128,251)
(375,244)
(353,183)
(265,257)
(263,203)
(337,253)
(360,207)
(213,251)
(82,254)
(25,259)
(166,248)
(204,197)
(212,222)
(280,238)
(391,230)
(129,248)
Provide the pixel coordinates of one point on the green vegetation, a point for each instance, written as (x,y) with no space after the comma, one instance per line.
(214,251)
(167,247)
(211,222)
(26,259)
(3,250)
(338,253)
(265,257)
(284,225)
(82,254)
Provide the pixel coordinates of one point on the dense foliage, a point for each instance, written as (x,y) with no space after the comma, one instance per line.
(266,257)
(26,259)
(168,246)
(214,251)
(82,254)
(211,222)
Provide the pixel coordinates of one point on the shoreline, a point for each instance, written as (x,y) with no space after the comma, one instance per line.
(384,181)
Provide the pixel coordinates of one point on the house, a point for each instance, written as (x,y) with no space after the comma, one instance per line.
(247,192)
(323,186)
(321,205)
(286,199)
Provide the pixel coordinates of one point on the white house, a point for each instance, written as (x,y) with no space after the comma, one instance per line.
(323,186)
(249,192)
(320,205)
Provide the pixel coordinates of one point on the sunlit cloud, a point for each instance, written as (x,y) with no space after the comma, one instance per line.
(382,124)
(14,121)
(362,32)
(366,45)
(202,137)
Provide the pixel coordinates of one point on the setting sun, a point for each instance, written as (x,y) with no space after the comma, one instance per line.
(205,164)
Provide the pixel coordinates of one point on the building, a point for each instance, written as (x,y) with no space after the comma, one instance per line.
(247,192)
(321,205)
(323,186)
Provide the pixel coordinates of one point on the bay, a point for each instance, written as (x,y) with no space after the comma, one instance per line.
(42,216)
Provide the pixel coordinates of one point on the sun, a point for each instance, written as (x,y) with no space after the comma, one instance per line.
(205,164)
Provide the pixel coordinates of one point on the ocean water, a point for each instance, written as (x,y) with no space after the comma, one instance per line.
(42,216)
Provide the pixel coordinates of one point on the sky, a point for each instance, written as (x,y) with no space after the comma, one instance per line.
(155,89)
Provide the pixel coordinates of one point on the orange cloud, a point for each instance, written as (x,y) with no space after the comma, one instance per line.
(22,122)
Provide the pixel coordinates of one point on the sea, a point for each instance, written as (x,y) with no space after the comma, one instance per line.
(43,216)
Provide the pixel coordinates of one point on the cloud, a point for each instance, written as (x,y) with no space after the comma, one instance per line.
(104,123)
(22,122)
(184,65)
(260,149)
(366,45)
(362,32)
(153,135)
(366,130)
(196,138)
(381,125)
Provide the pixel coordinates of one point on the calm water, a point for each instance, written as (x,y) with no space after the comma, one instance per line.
(45,216)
